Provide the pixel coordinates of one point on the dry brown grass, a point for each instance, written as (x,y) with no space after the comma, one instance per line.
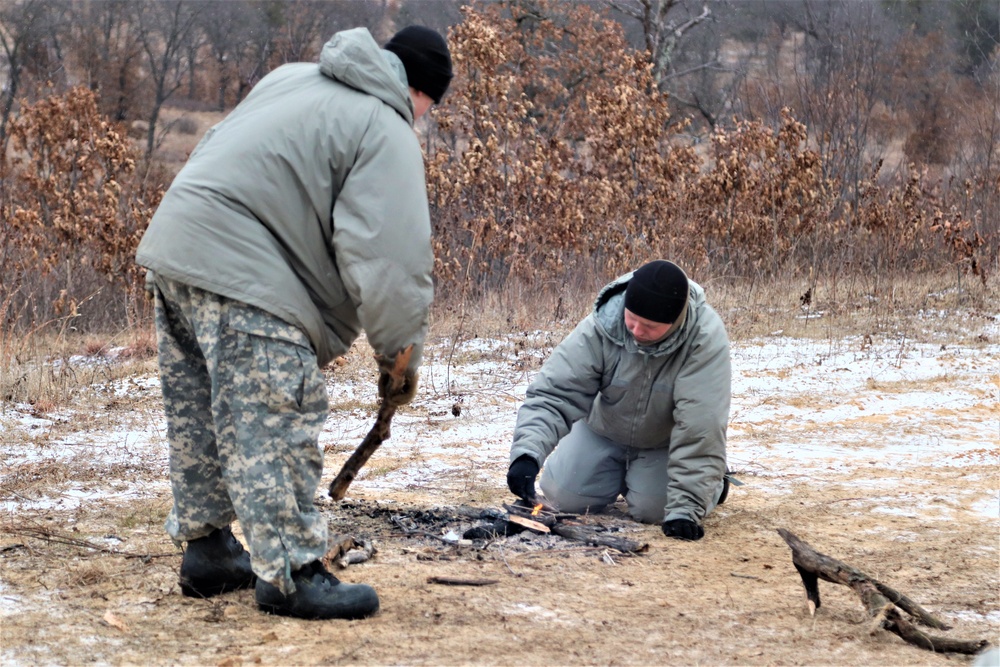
(918,308)
(48,369)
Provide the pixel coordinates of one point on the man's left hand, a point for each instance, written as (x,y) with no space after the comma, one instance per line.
(683,529)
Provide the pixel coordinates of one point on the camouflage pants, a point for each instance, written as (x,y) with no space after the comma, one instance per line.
(245,402)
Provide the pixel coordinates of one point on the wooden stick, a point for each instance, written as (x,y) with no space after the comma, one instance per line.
(379,431)
(529,524)
(456,581)
(879,600)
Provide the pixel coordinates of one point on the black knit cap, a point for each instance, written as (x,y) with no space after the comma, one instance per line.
(657,291)
(426,59)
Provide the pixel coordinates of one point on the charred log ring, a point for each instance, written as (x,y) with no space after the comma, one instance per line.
(880,601)
(561,525)
(512,525)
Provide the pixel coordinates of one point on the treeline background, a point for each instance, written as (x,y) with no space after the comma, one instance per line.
(747,140)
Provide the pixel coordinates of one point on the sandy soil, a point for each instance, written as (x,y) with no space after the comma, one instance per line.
(880,454)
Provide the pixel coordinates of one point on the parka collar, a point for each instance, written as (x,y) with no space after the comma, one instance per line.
(609,313)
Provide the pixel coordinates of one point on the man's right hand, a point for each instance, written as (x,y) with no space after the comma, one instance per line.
(521,477)
(396,392)
(397,384)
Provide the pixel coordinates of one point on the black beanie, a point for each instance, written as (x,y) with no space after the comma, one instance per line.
(425,58)
(657,291)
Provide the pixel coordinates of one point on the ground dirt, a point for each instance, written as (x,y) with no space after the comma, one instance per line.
(823,437)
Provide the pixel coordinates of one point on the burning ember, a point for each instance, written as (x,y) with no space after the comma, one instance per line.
(537,510)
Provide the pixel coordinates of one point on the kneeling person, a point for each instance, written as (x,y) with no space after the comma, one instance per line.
(634,402)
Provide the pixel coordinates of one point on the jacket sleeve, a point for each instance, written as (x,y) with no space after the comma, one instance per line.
(702,395)
(381,238)
(561,394)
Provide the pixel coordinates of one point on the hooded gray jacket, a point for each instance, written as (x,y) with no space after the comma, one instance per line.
(674,394)
(309,201)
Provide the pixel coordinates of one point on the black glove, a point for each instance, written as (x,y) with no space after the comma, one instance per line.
(393,391)
(683,529)
(521,477)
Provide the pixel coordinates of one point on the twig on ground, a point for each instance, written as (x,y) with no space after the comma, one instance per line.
(56,538)
(458,581)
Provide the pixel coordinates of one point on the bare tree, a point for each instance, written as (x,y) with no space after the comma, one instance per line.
(227,27)
(440,15)
(253,54)
(664,24)
(108,54)
(298,30)
(164,30)
(26,30)
(829,62)
(977,23)
(192,47)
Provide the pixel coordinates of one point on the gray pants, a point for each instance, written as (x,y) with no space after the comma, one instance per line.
(245,402)
(587,472)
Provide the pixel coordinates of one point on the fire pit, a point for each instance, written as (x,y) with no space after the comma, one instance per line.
(515,527)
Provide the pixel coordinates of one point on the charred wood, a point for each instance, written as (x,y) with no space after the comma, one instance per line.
(581,533)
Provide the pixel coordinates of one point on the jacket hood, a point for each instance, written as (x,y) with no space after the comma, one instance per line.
(609,313)
(355,59)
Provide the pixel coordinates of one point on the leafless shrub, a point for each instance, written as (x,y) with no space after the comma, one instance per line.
(187,125)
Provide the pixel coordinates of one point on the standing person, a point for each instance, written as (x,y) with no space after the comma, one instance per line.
(298,221)
(634,402)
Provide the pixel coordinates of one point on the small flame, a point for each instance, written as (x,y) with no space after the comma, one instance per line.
(537,510)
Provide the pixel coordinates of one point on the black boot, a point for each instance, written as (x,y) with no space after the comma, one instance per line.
(318,595)
(216,563)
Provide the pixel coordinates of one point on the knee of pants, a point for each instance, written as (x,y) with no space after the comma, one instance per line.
(645,508)
(567,501)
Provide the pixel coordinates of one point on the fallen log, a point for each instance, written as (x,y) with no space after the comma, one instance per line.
(880,601)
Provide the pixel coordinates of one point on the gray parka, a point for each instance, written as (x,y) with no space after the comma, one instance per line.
(309,201)
(674,394)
